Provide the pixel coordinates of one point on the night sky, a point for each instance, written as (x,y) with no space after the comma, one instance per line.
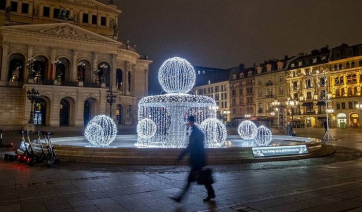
(225,33)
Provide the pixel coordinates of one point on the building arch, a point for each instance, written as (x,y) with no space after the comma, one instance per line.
(67,111)
(119,79)
(90,109)
(120,114)
(63,69)
(104,72)
(84,71)
(42,109)
(354,120)
(16,72)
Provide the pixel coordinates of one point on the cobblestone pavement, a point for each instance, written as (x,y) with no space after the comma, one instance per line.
(332,183)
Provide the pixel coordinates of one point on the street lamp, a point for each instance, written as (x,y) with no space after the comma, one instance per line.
(247,115)
(292,103)
(110,99)
(32,96)
(226,114)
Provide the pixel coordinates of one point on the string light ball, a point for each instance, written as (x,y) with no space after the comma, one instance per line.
(264,136)
(101,131)
(247,130)
(146,128)
(215,132)
(176,75)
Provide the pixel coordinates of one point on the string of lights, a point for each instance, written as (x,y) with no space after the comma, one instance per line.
(101,131)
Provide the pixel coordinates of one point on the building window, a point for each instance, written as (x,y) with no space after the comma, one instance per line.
(343,105)
(240,91)
(85,18)
(14,6)
(347,65)
(295,96)
(314,60)
(338,106)
(360,63)
(309,95)
(350,105)
(25,8)
(103,21)
(94,19)
(308,83)
(234,111)
(46,11)
(341,80)
(226,104)
(350,92)
(233,93)
(300,63)
(281,90)
(212,89)
(57,13)
(295,85)
(216,88)
(259,82)
(280,79)
(260,93)
(2,5)
(352,64)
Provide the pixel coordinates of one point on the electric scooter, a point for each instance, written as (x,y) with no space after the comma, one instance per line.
(38,155)
(20,153)
(51,156)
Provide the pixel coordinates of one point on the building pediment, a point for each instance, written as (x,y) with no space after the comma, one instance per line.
(60,31)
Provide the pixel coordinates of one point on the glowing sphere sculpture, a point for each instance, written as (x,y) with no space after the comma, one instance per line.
(101,131)
(263,136)
(215,132)
(247,130)
(176,75)
(170,111)
(146,128)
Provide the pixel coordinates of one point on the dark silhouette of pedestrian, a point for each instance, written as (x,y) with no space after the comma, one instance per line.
(197,160)
(325,126)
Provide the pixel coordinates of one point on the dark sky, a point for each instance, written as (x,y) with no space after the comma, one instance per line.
(225,33)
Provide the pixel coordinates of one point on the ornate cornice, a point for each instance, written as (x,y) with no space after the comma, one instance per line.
(90,4)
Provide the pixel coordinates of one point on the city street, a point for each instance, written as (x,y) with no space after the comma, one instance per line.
(330,183)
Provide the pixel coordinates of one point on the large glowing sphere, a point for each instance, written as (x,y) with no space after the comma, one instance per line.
(215,132)
(263,136)
(247,130)
(101,131)
(176,75)
(146,128)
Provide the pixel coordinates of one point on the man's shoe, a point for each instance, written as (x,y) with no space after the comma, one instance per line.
(209,197)
(176,199)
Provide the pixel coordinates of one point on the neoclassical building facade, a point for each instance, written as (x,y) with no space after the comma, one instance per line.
(69,52)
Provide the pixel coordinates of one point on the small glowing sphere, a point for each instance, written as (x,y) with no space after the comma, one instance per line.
(146,128)
(101,131)
(176,75)
(215,132)
(247,130)
(264,136)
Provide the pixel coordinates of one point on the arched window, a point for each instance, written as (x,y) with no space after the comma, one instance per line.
(338,92)
(341,81)
(355,91)
(360,63)
(350,92)
(352,64)
(335,67)
(340,66)
(119,79)
(347,65)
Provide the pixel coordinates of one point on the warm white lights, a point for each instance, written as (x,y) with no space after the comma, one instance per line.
(169,112)
(146,128)
(264,136)
(247,130)
(176,75)
(101,131)
(215,132)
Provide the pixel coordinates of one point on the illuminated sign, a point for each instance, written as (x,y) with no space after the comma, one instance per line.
(279,150)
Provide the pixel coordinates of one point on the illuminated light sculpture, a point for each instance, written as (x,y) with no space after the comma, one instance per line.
(247,130)
(101,131)
(215,132)
(264,136)
(146,128)
(176,75)
(170,111)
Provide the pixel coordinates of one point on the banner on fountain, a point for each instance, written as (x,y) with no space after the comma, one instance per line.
(279,151)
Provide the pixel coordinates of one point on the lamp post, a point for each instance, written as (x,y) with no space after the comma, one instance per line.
(292,103)
(110,99)
(32,96)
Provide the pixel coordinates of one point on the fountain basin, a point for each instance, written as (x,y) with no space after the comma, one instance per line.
(124,151)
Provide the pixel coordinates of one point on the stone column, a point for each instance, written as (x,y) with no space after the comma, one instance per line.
(80,16)
(89,18)
(19,7)
(94,66)
(124,78)
(41,10)
(26,69)
(8,3)
(113,72)
(99,17)
(5,63)
(31,10)
(51,12)
(73,72)
(52,60)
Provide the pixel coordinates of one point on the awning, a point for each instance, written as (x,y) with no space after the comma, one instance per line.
(307,104)
(321,103)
